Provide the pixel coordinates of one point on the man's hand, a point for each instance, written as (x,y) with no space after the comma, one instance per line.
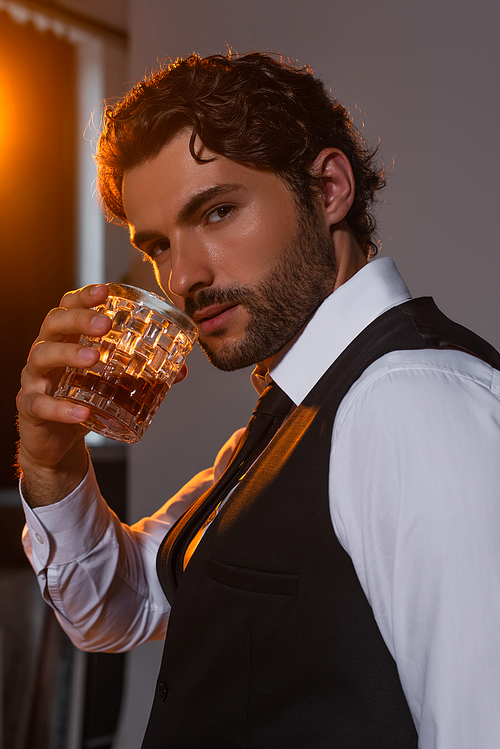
(52,453)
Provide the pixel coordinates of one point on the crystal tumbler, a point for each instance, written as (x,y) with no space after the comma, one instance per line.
(138,361)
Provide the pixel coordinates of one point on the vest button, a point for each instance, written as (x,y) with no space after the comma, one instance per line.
(162,692)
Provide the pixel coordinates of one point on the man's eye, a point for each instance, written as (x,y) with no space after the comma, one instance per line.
(158,249)
(219,213)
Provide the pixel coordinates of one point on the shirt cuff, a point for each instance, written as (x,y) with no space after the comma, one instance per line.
(66,530)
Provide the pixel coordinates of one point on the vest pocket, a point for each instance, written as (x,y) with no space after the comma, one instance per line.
(255,581)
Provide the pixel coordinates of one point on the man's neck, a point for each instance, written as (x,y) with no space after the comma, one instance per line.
(350,259)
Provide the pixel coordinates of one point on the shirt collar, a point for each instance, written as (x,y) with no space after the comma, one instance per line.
(373,290)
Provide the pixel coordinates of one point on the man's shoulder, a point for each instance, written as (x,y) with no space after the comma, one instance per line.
(402,382)
(417,363)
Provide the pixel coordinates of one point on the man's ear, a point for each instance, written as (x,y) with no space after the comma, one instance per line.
(332,167)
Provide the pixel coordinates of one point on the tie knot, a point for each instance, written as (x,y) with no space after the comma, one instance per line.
(273,402)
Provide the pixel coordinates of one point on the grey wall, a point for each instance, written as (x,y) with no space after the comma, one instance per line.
(421,76)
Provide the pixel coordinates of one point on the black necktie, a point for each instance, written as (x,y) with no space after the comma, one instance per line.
(268,415)
(271,410)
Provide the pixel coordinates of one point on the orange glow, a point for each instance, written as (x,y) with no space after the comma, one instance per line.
(4,110)
(7,118)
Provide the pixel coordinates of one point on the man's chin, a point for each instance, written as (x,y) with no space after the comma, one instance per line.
(226,357)
(245,352)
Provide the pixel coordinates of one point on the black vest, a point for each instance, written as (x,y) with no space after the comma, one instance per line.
(272,643)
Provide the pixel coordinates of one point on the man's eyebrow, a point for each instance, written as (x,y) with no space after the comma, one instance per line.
(198,200)
(140,237)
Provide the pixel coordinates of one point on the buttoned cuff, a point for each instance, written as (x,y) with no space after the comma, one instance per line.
(66,530)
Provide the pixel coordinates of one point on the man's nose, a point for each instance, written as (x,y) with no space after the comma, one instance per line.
(190,268)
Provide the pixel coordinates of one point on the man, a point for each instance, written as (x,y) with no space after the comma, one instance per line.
(343,590)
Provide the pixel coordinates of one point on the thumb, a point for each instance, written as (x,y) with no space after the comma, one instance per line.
(181,374)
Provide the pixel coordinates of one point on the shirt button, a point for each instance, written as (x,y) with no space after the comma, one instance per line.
(162,692)
(39,538)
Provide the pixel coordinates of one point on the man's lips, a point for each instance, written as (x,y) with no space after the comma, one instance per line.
(210,319)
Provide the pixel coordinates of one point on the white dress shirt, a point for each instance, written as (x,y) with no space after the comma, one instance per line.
(414,478)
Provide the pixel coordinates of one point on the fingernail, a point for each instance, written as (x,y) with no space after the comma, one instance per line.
(95,290)
(79,413)
(87,354)
(99,322)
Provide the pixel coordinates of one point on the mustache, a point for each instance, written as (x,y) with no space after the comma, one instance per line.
(209,297)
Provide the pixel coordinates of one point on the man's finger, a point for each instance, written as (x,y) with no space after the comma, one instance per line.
(47,356)
(40,408)
(87,296)
(63,322)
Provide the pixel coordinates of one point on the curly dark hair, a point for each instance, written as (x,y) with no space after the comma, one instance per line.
(252,109)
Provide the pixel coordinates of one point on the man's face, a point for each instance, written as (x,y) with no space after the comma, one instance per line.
(231,248)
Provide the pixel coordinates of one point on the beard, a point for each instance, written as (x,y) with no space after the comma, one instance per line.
(283,302)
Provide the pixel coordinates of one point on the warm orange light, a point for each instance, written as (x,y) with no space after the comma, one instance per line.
(3,110)
(10,127)
(7,120)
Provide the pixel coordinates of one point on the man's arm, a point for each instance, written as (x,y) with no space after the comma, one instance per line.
(414,495)
(98,574)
